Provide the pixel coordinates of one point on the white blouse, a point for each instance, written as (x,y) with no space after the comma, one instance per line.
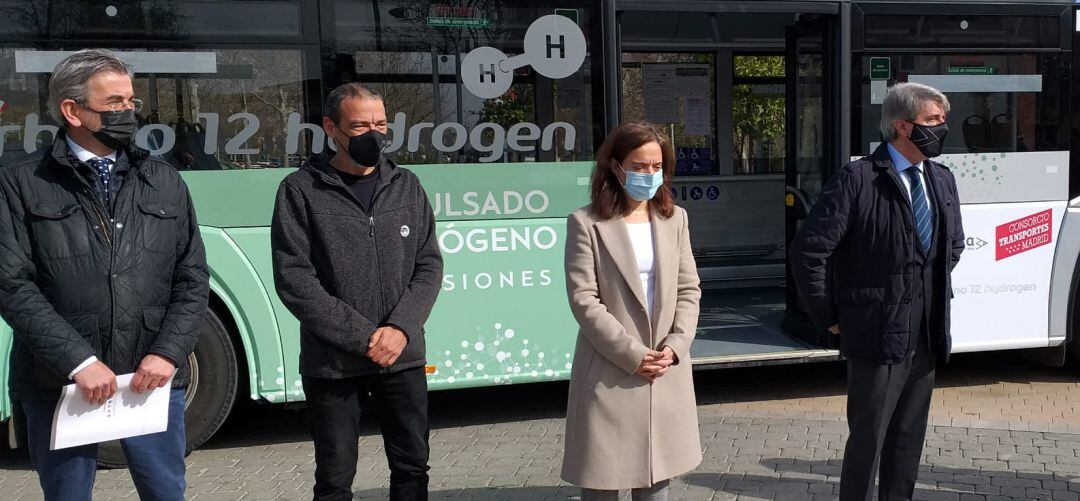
(641,238)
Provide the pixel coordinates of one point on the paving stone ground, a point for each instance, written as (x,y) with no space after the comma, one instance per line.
(1002,429)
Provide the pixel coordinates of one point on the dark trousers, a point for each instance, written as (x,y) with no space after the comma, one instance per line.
(156,461)
(887,409)
(400,401)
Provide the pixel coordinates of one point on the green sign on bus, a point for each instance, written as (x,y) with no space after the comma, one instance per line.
(970,70)
(459,22)
(880,68)
(571,14)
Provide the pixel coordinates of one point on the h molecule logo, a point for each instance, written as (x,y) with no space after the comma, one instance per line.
(554,47)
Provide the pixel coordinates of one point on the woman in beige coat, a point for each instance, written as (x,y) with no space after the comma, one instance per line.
(631,420)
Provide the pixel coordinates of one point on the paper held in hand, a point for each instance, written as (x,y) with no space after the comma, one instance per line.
(126,414)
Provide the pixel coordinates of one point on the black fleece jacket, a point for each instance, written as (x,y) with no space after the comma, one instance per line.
(344,272)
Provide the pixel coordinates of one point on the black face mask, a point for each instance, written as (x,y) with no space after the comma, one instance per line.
(929,139)
(366,148)
(116,129)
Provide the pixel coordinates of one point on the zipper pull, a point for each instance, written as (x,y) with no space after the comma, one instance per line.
(371,224)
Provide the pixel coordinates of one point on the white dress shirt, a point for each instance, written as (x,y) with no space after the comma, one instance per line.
(641,238)
(84,154)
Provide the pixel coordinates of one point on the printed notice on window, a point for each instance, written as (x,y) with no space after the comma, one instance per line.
(127,414)
(666,86)
(697,117)
(661,93)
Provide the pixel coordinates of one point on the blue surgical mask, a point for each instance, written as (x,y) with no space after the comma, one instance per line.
(642,187)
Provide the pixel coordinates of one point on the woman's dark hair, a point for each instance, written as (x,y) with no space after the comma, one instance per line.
(607,193)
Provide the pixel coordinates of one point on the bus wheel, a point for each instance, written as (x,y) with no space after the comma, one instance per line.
(208,398)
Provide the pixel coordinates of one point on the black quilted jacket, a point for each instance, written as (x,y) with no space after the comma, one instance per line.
(853,259)
(75,284)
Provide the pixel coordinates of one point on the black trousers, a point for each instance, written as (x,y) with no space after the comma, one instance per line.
(887,409)
(333,410)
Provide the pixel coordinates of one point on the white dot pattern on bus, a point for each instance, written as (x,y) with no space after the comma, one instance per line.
(502,357)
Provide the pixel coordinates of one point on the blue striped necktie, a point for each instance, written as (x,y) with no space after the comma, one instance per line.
(924,218)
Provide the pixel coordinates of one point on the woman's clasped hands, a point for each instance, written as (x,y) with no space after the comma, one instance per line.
(656,363)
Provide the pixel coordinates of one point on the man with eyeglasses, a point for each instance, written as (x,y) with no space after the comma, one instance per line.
(102,272)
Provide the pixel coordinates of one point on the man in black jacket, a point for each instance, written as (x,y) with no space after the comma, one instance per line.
(102,272)
(872,263)
(357,262)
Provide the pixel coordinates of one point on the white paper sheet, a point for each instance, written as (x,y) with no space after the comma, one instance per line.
(693,80)
(696,122)
(665,85)
(661,93)
(126,414)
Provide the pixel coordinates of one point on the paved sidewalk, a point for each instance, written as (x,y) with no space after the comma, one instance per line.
(1005,429)
(987,390)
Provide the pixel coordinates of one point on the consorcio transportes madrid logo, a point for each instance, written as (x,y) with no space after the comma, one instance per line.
(1024,234)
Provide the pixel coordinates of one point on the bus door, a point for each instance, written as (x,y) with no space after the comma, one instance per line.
(812,141)
(745,92)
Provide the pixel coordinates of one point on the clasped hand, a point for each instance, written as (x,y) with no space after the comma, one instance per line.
(656,363)
(386,345)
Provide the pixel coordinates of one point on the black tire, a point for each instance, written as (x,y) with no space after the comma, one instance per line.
(210,396)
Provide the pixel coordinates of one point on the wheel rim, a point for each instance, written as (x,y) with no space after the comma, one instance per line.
(193,386)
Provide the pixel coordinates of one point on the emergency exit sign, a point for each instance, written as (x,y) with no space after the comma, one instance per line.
(458,22)
(970,70)
(880,68)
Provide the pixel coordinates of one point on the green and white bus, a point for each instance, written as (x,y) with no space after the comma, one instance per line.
(498,107)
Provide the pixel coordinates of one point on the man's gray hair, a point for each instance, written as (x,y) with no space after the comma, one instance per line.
(71,77)
(350,90)
(905,101)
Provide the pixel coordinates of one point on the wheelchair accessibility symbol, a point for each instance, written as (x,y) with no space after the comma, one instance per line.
(554,47)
